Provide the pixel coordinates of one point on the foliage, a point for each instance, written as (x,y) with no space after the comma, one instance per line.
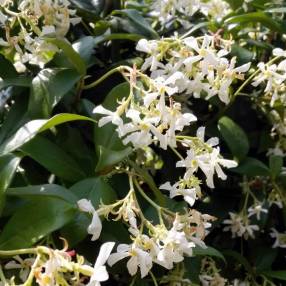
(158,126)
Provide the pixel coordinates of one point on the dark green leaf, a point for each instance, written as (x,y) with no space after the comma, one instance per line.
(234,136)
(209,251)
(275,165)
(94,189)
(30,130)
(108,157)
(48,190)
(139,23)
(16,81)
(8,167)
(48,88)
(71,54)
(252,167)
(258,17)
(279,274)
(7,69)
(56,160)
(35,220)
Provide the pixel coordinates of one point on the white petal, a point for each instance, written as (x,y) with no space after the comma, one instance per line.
(115,257)
(85,206)
(95,227)
(104,253)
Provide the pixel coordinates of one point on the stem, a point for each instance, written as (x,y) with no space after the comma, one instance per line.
(8,253)
(141,191)
(177,153)
(30,278)
(279,191)
(105,76)
(2,276)
(153,278)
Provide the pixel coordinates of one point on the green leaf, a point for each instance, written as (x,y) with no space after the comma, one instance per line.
(234,136)
(209,251)
(275,165)
(108,157)
(7,69)
(8,167)
(119,92)
(244,55)
(48,190)
(16,81)
(257,17)
(138,22)
(76,60)
(48,88)
(35,220)
(94,189)
(109,147)
(56,160)
(240,259)
(15,118)
(251,167)
(32,128)
(279,274)
(85,48)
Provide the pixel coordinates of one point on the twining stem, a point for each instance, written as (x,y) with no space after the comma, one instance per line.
(279,191)
(11,253)
(153,278)
(177,153)
(141,191)
(119,69)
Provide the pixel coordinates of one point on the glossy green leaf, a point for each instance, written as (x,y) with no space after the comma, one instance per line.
(47,190)
(275,165)
(7,69)
(258,17)
(209,251)
(252,167)
(139,23)
(8,167)
(30,130)
(94,189)
(16,81)
(53,158)
(108,157)
(76,60)
(48,88)
(234,136)
(278,274)
(35,220)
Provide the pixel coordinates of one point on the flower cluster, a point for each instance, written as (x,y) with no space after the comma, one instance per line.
(58,267)
(200,155)
(162,246)
(37,19)
(240,226)
(146,116)
(168,10)
(194,66)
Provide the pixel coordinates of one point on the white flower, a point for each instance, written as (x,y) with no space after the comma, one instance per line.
(138,258)
(99,272)
(280,238)
(239,226)
(23,264)
(95,227)
(256,210)
(189,195)
(279,52)
(113,117)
